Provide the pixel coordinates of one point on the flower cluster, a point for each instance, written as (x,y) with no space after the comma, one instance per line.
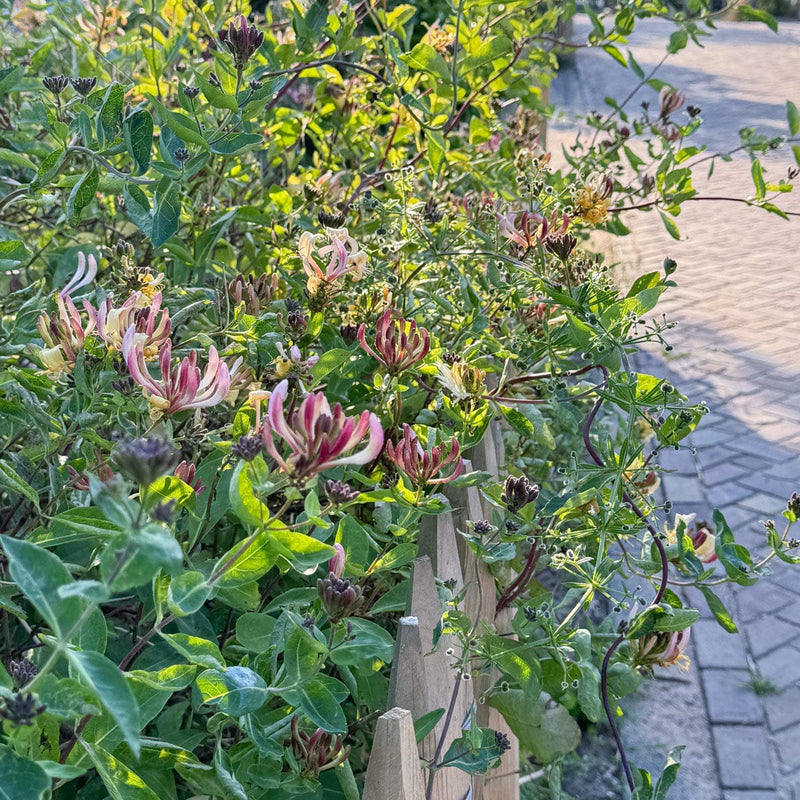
(344,255)
(439,464)
(399,344)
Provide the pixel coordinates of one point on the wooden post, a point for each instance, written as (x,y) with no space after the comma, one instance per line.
(394,772)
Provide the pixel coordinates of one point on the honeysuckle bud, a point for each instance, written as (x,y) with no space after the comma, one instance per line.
(794,504)
(181,155)
(56,83)
(191,91)
(339,492)
(562,246)
(20,709)
(502,742)
(185,472)
(336,564)
(242,42)
(399,344)
(296,324)
(83,86)
(331,220)
(247,448)
(518,493)
(482,526)
(23,671)
(339,597)
(704,542)
(317,752)
(144,460)
(439,464)
(255,293)
(462,380)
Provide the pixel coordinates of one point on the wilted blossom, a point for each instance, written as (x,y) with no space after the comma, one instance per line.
(439,464)
(318,436)
(181,387)
(342,251)
(462,380)
(185,472)
(292,361)
(399,344)
(64,336)
(318,752)
(339,597)
(242,42)
(592,199)
(701,534)
(152,323)
(664,649)
(529,227)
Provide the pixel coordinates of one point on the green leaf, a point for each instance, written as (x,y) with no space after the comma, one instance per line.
(669,773)
(792,117)
(757,171)
(196,650)
(137,207)
(426,723)
(113,690)
(426,58)
(48,169)
(670,225)
(120,781)
(9,78)
(471,757)
(10,480)
(15,158)
(241,493)
(254,631)
(547,730)
(303,552)
(182,126)
(329,361)
(110,114)
(13,250)
(370,644)
(138,132)
(677,41)
(187,593)
(234,142)
(81,195)
(718,609)
(236,691)
(215,95)
(301,656)
(489,51)
(204,244)
(747,12)
(21,779)
(437,150)
(321,706)
(166,211)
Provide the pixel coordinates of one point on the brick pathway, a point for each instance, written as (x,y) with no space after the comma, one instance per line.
(738,348)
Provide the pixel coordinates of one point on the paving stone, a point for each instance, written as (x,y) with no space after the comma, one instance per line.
(714,647)
(763,503)
(743,757)
(767,598)
(738,794)
(722,473)
(728,697)
(681,489)
(782,709)
(788,751)
(781,666)
(769,633)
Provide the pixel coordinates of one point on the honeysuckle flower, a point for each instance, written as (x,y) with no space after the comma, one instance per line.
(152,323)
(701,534)
(64,336)
(530,227)
(149,286)
(399,344)
(592,200)
(439,464)
(318,437)
(462,380)
(255,293)
(80,481)
(344,253)
(318,752)
(292,361)
(664,649)
(256,398)
(242,42)
(340,597)
(336,564)
(241,377)
(84,275)
(669,101)
(185,472)
(181,387)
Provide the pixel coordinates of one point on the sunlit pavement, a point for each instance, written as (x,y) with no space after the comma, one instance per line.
(737,348)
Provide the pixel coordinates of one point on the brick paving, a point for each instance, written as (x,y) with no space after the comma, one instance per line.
(737,347)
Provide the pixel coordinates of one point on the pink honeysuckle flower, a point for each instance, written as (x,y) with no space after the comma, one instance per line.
(664,649)
(336,564)
(345,257)
(669,101)
(185,472)
(423,466)
(64,337)
(83,275)
(530,227)
(399,344)
(317,436)
(152,330)
(181,387)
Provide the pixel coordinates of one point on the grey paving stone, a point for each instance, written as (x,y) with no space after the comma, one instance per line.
(762,503)
(743,757)
(769,633)
(714,647)
(788,751)
(737,794)
(781,666)
(728,697)
(723,472)
(764,598)
(782,709)
(682,489)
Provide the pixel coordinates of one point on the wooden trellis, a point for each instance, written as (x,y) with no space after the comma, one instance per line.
(423,678)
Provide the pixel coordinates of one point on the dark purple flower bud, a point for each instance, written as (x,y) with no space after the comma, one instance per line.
(83,85)
(20,709)
(449,357)
(331,220)
(255,85)
(794,504)
(247,448)
(145,460)
(432,213)
(22,671)
(317,752)
(296,324)
(181,155)
(694,110)
(191,91)
(530,613)
(339,492)
(164,512)
(512,525)
(242,42)
(501,740)
(339,597)
(482,526)
(349,333)
(56,83)
(562,246)
(519,492)
(214,80)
